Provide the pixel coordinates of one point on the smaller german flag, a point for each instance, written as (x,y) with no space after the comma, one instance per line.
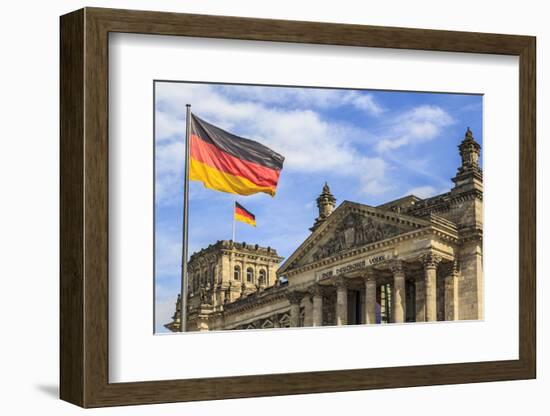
(243,215)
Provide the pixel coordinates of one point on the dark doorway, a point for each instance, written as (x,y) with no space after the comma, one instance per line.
(354,307)
(410,301)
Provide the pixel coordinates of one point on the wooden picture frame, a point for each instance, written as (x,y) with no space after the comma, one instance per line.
(84,207)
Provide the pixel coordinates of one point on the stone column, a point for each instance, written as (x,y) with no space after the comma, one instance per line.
(430,262)
(317,297)
(370,299)
(341,301)
(295,298)
(275,319)
(399,295)
(451,293)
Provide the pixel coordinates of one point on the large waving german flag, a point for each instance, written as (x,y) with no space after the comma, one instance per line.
(229,163)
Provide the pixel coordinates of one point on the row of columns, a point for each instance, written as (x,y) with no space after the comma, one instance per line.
(426,296)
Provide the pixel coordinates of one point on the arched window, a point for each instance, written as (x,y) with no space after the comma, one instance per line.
(249,275)
(261,277)
(237,273)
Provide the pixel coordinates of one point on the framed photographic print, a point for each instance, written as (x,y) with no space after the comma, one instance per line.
(256,207)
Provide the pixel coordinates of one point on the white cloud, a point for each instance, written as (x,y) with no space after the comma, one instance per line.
(425,191)
(373,177)
(309,98)
(168,252)
(417,125)
(309,143)
(422,191)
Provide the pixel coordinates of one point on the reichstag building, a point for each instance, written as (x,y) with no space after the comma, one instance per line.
(408,260)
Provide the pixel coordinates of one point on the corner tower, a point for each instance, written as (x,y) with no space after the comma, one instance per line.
(466,208)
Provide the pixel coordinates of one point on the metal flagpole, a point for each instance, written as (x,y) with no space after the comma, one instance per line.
(185,228)
(233,216)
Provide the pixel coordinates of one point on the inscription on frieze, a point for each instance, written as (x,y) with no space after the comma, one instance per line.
(350,267)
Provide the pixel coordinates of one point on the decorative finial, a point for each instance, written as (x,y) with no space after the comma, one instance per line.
(326,203)
(469,150)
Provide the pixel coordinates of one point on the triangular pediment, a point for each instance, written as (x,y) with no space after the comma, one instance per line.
(349,227)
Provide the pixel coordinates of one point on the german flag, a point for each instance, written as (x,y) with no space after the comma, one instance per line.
(228,163)
(243,215)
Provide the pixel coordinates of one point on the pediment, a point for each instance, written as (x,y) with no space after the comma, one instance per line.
(350,226)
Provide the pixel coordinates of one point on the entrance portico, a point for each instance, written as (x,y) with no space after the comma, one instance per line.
(391,291)
(382,286)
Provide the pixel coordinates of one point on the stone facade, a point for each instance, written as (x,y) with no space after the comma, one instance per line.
(408,260)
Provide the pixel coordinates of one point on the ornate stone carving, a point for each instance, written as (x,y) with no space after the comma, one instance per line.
(205,295)
(397,267)
(369,276)
(430,260)
(355,230)
(469,152)
(341,282)
(295,297)
(316,290)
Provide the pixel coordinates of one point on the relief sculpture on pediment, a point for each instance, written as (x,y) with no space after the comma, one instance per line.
(355,230)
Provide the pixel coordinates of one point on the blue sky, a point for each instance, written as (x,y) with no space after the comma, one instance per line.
(370,146)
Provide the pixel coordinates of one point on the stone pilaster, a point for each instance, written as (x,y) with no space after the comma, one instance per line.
(234,291)
(451,293)
(271,275)
(470,286)
(430,262)
(399,295)
(221,294)
(341,301)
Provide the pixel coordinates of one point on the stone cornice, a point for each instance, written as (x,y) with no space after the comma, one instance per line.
(442,203)
(351,207)
(255,300)
(433,230)
(228,246)
(271,315)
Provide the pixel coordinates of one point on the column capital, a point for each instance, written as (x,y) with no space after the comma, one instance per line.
(430,260)
(295,297)
(397,267)
(341,282)
(369,280)
(450,269)
(316,290)
(369,276)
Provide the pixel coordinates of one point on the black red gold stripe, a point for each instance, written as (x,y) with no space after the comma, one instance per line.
(243,215)
(229,163)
